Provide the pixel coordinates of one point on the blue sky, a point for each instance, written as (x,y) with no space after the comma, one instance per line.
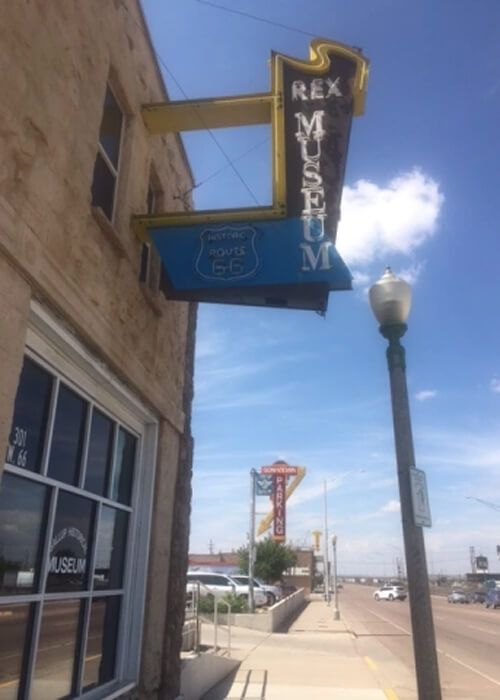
(421,194)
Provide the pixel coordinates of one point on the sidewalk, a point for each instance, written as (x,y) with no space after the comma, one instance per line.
(316,659)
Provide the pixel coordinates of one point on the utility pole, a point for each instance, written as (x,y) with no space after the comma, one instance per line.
(472,554)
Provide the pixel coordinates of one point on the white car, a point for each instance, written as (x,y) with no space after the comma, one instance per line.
(273,593)
(220,585)
(390,593)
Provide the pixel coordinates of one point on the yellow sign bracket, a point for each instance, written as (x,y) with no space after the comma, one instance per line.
(247,110)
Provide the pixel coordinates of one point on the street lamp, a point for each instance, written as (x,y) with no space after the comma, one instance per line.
(390,299)
(326,574)
(336,613)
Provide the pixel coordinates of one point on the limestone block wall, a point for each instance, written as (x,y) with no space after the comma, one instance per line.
(56,61)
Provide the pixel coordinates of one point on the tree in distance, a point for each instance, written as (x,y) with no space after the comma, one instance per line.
(272,559)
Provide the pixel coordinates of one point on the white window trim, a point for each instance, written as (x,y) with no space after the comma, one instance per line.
(56,346)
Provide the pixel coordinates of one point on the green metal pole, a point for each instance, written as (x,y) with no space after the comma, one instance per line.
(424,641)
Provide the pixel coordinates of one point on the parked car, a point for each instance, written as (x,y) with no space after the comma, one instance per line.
(390,593)
(272,593)
(457,596)
(477,597)
(220,585)
(493,598)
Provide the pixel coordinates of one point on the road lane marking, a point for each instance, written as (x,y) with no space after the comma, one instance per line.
(470,668)
(390,694)
(449,656)
(394,624)
(370,663)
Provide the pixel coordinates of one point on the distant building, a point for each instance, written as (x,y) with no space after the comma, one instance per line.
(96,365)
(302,574)
(225,563)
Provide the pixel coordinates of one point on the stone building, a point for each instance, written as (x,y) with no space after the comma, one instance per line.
(96,364)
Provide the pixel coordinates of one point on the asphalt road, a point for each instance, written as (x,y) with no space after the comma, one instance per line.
(468,642)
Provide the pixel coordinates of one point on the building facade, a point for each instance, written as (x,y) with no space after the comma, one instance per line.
(96,365)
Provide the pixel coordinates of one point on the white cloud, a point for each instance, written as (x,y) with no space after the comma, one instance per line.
(379,221)
(425,394)
(495,385)
(391,507)
(360,280)
(412,273)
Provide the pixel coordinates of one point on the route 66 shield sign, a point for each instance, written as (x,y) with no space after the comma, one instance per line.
(228,253)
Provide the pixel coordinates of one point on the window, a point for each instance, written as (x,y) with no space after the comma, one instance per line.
(108,156)
(30,417)
(151,269)
(66,521)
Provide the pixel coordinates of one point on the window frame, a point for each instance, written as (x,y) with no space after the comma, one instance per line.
(62,355)
(114,170)
(150,265)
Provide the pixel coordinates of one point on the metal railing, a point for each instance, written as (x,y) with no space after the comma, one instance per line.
(192,613)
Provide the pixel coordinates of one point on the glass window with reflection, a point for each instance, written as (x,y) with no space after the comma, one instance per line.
(55,659)
(22,518)
(69,547)
(13,627)
(67,438)
(110,548)
(124,467)
(108,154)
(99,453)
(65,517)
(101,648)
(31,409)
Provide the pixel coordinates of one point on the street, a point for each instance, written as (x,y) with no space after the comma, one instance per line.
(468,642)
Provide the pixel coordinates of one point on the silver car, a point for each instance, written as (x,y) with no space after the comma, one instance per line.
(219,585)
(272,593)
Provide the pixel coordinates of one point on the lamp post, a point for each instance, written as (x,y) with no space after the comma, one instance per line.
(326,577)
(390,299)
(251,542)
(336,613)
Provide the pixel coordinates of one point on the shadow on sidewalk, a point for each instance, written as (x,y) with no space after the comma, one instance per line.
(284,628)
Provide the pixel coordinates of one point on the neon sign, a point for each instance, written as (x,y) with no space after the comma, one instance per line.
(284,254)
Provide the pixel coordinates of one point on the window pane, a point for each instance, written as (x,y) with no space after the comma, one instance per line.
(30,417)
(53,676)
(22,519)
(102,638)
(69,549)
(67,438)
(13,626)
(99,455)
(103,186)
(124,467)
(143,271)
(110,553)
(111,128)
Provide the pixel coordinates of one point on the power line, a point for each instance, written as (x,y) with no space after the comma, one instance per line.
(210,132)
(224,167)
(230,163)
(223,8)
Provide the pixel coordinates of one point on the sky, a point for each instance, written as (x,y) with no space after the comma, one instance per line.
(421,194)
